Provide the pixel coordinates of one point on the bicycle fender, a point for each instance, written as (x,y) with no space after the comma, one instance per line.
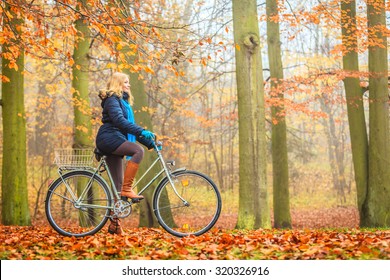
(180,169)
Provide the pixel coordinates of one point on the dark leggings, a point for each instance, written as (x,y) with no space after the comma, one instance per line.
(116,164)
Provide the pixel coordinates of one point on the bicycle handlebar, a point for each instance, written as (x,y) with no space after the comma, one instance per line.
(157,144)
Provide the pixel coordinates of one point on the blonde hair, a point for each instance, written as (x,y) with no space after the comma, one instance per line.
(115,87)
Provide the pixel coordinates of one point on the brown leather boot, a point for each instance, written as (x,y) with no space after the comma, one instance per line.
(115,227)
(130,172)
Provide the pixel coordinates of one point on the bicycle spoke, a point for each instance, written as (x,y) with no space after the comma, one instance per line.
(171,207)
(68,199)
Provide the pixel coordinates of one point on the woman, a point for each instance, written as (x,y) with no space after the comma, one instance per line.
(112,139)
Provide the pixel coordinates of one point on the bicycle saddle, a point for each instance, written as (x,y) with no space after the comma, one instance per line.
(98,154)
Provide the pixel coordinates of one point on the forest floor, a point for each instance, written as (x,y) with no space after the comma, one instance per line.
(316,234)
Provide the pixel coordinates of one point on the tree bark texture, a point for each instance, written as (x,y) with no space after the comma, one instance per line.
(355,106)
(377,203)
(15,210)
(253,195)
(281,196)
(80,83)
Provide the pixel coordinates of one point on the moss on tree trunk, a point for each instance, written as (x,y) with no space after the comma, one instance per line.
(253,195)
(281,196)
(355,106)
(15,210)
(377,204)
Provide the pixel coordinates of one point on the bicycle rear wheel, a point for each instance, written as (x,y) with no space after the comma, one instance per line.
(86,218)
(195,217)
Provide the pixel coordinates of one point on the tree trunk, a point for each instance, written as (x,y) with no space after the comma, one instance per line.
(355,106)
(82,134)
(253,209)
(142,117)
(15,210)
(80,82)
(281,196)
(378,193)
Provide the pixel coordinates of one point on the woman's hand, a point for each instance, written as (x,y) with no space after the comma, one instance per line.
(148,134)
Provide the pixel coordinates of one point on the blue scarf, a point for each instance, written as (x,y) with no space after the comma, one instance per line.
(130,118)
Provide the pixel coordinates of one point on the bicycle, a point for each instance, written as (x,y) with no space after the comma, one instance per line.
(80,201)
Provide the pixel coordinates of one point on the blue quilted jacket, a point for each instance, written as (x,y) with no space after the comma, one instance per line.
(116,126)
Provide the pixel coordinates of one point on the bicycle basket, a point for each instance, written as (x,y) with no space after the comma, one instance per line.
(73,158)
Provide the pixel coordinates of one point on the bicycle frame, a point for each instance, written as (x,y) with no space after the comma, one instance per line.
(112,188)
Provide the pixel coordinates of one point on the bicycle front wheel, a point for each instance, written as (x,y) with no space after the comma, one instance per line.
(198,212)
(72,215)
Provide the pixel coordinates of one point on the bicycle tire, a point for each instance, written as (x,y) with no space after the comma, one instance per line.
(204,206)
(62,213)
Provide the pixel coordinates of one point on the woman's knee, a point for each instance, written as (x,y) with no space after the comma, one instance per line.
(139,154)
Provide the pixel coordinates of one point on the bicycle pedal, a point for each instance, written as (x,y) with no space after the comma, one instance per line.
(136,200)
(133,200)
